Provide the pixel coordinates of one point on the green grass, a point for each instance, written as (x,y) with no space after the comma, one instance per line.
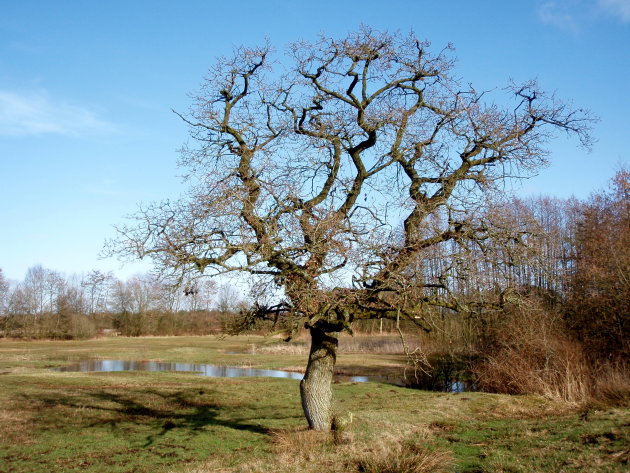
(177,422)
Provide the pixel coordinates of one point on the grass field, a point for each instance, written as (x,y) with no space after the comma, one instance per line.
(179,422)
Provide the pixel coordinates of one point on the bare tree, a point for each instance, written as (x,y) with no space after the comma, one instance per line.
(598,308)
(198,294)
(4,293)
(228,299)
(97,287)
(334,180)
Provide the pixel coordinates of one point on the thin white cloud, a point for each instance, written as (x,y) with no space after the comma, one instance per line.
(573,15)
(560,15)
(36,113)
(618,8)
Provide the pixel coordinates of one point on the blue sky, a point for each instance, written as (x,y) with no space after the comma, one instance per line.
(87,88)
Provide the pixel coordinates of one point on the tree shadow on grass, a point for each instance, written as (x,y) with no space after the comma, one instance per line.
(189,410)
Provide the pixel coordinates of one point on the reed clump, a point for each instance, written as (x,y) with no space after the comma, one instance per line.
(531,351)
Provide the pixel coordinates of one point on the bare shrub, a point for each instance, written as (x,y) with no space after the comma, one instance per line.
(529,353)
(598,306)
(80,327)
(532,352)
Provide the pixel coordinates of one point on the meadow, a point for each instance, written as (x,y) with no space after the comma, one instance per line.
(172,422)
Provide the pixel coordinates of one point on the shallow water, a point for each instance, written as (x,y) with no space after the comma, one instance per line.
(219,371)
(213,371)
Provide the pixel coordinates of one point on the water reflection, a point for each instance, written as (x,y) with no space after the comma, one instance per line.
(218,371)
(213,371)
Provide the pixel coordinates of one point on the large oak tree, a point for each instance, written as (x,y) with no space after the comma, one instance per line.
(331,171)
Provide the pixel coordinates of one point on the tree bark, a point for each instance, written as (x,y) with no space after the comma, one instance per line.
(316,387)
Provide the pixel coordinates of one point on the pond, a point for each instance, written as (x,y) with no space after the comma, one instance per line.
(213,371)
(219,371)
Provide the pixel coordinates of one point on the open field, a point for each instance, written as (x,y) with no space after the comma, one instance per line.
(179,422)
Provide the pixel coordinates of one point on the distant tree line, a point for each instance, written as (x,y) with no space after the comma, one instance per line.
(48,304)
(574,255)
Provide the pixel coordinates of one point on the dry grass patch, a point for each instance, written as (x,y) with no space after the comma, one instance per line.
(520,407)
(405,458)
(15,427)
(300,445)
(391,452)
(279,349)
(371,344)
(358,343)
(612,384)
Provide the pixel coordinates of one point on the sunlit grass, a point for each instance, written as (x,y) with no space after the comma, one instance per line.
(179,422)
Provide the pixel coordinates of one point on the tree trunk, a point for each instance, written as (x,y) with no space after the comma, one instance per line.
(316,387)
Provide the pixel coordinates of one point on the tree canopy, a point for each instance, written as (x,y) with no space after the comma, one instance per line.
(331,172)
